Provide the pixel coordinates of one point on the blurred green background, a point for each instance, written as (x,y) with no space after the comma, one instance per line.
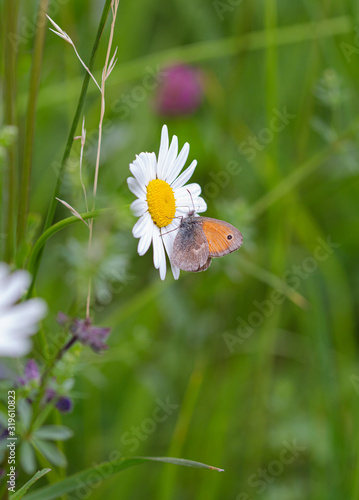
(249,374)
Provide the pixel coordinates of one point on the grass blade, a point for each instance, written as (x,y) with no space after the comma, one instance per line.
(39,245)
(21,492)
(31,119)
(106,469)
(9,96)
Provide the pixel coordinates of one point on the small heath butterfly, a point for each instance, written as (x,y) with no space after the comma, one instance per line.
(199,239)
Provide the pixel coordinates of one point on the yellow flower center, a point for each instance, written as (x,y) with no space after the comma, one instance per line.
(161,202)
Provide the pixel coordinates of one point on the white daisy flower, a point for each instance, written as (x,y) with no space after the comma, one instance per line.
(18,321)
(161,197)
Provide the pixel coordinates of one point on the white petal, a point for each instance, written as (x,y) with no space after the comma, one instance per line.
(145,241)
(201,205)
(146,162)
(138,170)
(178,164)
(175,271)
(187,203)
(139,207)
(13,287)
(163,151)
(168,236)
(185,176)
(23,318)
(14,348)
(168,239)
(182,210)
(163,267)
(156,245)
(159,256)
(142,225)
(194,189)
(34,308)
(152,163)
(187,199)
(170,158)
(136,188)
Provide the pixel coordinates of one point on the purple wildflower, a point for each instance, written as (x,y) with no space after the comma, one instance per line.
(180,92)
(85,332)
(62,319)
(50,394)
(31,372)
(64,404)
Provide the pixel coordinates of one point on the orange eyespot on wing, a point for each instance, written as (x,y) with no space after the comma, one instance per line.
(222,237)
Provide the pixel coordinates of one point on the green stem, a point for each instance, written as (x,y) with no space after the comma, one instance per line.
(57,358)
(53,202)
(37,248)
(10,49)
(30,119)
(44,379)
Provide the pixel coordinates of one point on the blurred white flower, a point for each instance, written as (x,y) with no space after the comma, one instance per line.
(18,321)
(162,198)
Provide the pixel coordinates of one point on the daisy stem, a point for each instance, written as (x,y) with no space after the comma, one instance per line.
(105,74)
(53,202)
(25,174)
(9,95)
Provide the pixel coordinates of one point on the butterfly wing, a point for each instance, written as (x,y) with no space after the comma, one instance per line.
(222,237)
(205,266)
(190,248)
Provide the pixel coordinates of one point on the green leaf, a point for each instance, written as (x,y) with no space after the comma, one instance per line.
(24,410)
(181,461)
(21,492)
(27,457)
(37,248)
(83,480)
(53,433)
(49,450)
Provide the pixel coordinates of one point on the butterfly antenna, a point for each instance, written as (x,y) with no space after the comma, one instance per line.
(176,217)
(175,229)
(183,206)
(189,192)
